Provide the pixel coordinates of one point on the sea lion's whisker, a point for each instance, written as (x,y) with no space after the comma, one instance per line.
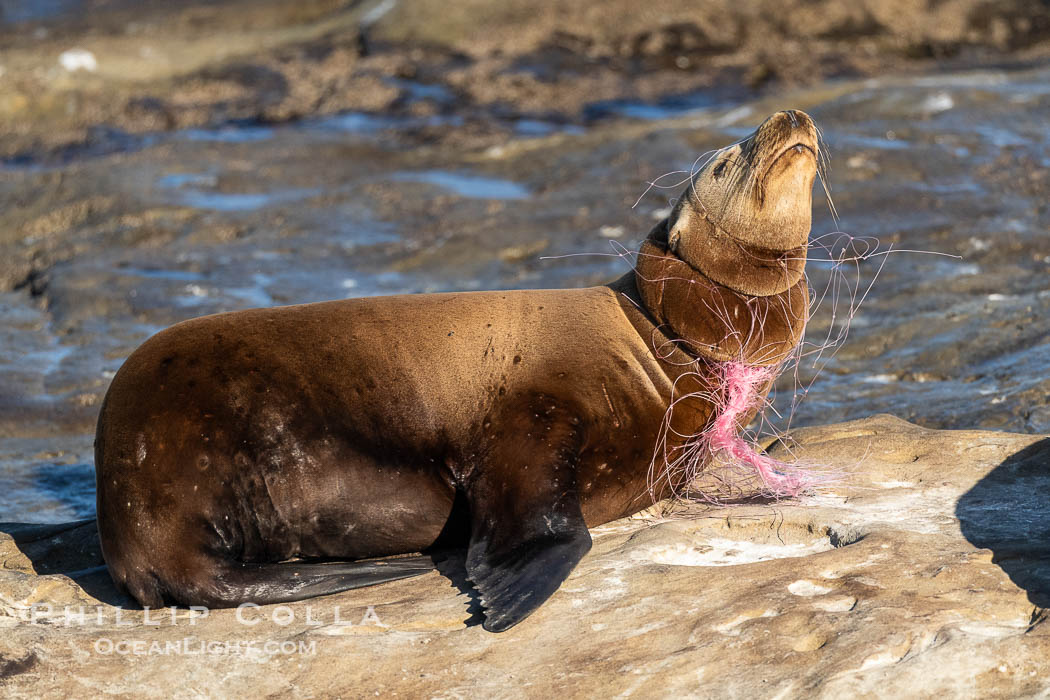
(827,196)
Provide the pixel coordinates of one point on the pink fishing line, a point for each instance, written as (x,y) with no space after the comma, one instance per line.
(741,384)
(733,468)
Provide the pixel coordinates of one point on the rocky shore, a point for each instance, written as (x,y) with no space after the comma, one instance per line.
(160,161)
(83,74)
(925,571)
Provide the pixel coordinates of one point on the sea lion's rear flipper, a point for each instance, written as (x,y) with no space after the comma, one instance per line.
(231,584)
(291,581)
(527,530)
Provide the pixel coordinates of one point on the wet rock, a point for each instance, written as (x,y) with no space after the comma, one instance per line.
(921,571)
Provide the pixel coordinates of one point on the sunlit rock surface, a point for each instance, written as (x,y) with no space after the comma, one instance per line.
(923,571)
(162,161)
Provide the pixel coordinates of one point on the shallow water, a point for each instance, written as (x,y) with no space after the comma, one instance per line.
(666,108)
(201,221)
(470,186)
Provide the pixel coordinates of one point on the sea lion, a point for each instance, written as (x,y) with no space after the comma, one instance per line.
(233,449)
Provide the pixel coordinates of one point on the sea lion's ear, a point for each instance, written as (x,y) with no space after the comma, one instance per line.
(681,220)
(673,239)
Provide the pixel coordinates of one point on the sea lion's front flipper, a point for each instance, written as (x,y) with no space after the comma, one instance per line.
(516,565)
(527,530)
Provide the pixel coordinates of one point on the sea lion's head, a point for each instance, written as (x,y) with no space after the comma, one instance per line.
(751,204)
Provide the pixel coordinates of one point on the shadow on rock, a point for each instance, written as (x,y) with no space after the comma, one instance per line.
(452,565)
(70,549)
(1008,512)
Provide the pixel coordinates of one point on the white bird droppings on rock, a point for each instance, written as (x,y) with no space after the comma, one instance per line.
(78,59)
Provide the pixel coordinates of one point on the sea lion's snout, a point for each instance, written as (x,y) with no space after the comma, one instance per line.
(798,118)
(786,155)
(790,122)
(789,136)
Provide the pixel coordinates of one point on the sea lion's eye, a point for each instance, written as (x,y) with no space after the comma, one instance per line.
(719,169)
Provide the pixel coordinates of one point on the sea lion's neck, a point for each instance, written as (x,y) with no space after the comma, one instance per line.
(722,258)
(712,320)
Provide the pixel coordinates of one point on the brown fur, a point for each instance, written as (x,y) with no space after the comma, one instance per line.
(716,321)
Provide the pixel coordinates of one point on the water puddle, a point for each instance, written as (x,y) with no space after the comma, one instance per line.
(253,295)
(179,180)
(367,124)
(999,136)
(666,108)
(43,485)
(539,127)
(241,201)
(161,274)
(472,186)
(363,123)
(418,92)
(226,201)
(230,133)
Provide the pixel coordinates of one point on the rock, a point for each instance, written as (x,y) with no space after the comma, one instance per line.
(922,571)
